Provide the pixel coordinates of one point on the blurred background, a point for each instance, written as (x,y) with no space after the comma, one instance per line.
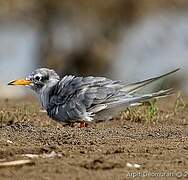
(128,40)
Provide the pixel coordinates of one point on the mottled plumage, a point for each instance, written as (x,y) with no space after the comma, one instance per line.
(76,99)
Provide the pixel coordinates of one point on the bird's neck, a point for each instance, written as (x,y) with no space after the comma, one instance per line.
(44,97)
(45,94)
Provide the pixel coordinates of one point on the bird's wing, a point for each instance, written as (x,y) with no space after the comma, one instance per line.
(133,87)
(74,96)
(78,97)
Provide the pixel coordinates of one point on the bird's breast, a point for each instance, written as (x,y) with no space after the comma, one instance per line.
(44,98)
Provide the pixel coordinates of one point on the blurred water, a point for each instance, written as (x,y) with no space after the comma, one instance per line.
(154,45)
(18,54)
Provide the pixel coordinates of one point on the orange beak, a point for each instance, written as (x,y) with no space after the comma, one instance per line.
(21,82)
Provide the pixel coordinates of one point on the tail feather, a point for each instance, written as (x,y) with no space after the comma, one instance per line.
(133,87)
(146,97)
(109,110)
(139,99)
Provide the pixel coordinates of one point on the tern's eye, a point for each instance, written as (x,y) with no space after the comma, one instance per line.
(38,78)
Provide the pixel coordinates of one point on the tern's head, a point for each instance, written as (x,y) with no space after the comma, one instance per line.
(39,79)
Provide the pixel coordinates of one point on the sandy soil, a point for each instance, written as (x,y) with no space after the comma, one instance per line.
(105,150)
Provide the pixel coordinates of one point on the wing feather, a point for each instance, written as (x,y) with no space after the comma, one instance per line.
(133,87)
(78,97)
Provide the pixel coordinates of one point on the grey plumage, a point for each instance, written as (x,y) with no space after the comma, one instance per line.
(90,98)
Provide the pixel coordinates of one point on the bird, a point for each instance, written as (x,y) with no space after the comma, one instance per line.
(87,99)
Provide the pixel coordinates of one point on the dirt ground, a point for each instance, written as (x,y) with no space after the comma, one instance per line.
(106,150)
